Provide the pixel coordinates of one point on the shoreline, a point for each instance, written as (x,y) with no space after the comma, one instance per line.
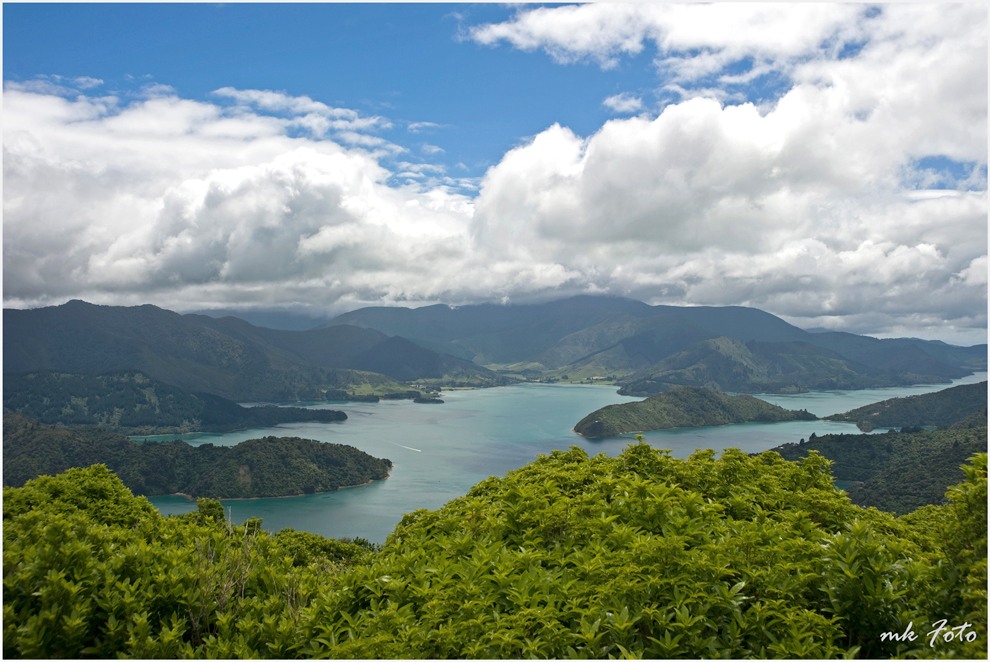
(190,497)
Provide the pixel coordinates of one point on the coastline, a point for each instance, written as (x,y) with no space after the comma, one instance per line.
(190,497)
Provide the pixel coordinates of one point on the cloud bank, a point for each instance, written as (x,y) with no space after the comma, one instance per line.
(852,197)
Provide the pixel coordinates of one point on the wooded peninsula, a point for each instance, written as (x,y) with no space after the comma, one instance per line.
(266,467)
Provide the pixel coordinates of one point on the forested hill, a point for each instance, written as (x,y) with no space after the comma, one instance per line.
(636,556)
(267,467)
(683,407)
(226,357)
(645,349)
(895,471)
(648,349)
(132,402)
(901,471)
(946,407)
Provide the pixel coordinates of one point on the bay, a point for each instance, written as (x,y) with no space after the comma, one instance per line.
(826,403)
(440,451)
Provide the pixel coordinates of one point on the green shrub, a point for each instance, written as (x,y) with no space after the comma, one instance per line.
(641,555)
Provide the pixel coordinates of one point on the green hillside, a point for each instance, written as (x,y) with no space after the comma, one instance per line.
(941,408)
(637,556)
(133,403)
(225,357)
(763,367)
(343,385)
(683,407)
(895,471)
(651,348)
(492,334)
(647,348)
(268,467)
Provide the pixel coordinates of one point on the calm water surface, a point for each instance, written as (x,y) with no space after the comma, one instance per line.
(440,451)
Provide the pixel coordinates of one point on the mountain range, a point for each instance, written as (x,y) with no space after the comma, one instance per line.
(645,349)
(227,357)
(650,349)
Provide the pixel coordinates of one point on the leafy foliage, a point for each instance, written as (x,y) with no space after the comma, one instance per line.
(92,571)
(943,408)
(641,555)
(683,407)
(272,466)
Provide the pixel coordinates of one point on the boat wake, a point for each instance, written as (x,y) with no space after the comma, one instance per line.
(406,447)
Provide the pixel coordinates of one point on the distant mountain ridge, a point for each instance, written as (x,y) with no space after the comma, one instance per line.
(650,349)
(562,332)
(226,357)
(645,349)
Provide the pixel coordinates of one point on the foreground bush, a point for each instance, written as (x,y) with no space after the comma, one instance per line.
(641,555)
(646,555)
(92,571)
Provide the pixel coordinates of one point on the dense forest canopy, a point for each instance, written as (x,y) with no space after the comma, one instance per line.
(640,555)
(899,471)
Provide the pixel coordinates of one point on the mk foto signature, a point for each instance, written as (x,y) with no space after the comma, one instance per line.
(941,632)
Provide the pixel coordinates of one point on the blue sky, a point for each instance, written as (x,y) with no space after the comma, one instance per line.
(826,162)
(410,62)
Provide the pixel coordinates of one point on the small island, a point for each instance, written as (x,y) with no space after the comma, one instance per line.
(684,406)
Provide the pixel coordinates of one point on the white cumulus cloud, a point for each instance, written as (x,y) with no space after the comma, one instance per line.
(805,206)
(853,196)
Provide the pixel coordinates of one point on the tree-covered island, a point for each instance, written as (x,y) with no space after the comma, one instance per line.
(683,407)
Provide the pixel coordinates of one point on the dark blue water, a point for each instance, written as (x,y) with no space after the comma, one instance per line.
(440,451)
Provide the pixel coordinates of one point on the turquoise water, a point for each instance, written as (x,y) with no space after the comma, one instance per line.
(440,451)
